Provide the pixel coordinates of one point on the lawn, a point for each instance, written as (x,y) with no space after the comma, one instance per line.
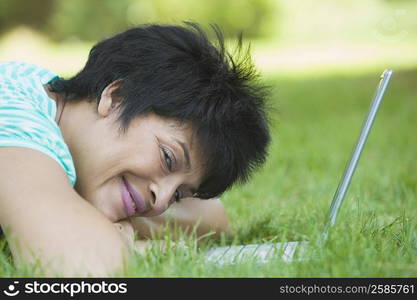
(314,128)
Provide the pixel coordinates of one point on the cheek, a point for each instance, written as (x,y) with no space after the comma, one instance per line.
(107,199)
(146,159)
(97,174)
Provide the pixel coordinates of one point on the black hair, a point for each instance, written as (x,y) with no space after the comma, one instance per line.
(176,72)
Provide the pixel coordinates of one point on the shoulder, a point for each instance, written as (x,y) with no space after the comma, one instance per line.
(21,86)
(27,114)
(18,70)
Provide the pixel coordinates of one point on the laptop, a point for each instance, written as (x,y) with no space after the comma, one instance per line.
(295,251)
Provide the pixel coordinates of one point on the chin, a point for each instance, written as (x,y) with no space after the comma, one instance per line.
(108,212)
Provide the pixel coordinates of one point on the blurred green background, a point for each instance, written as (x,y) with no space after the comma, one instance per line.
(322,59)
(292,37)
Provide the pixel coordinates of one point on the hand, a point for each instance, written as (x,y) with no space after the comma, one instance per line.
(128,233)
(126,230)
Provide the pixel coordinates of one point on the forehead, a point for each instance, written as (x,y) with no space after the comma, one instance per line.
(172,128)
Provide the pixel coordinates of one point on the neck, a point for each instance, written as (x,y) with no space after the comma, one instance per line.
(74,111)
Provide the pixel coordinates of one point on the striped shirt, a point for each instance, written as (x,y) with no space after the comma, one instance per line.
(27,114)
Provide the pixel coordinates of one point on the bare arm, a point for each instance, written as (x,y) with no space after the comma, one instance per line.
(207,215)
(43,217)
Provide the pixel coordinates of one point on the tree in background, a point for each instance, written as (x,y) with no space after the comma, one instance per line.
(96,19)
(34,13)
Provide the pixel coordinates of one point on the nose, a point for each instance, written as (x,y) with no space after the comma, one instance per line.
(162,196)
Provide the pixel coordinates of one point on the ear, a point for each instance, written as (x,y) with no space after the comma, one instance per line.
(108,102)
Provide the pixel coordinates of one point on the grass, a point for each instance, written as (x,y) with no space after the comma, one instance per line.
(323,91)
(317,123)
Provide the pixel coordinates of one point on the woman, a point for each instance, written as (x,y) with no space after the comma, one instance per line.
(158,117)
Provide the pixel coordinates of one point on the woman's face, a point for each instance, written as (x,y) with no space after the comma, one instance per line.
(138,173)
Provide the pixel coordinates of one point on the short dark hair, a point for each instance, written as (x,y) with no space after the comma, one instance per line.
(176,72)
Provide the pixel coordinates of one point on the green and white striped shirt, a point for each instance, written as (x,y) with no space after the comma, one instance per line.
(27,114)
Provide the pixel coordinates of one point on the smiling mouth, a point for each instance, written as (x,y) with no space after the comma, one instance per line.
(133,201)
(128,199)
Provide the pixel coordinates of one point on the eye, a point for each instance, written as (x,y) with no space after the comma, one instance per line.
(169,159)
(178,196)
